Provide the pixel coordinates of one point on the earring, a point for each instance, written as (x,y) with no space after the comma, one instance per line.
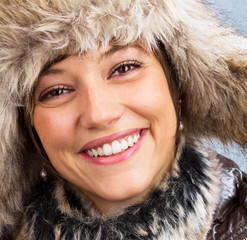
(43,173)
(181,126)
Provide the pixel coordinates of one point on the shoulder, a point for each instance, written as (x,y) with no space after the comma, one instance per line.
(230,219)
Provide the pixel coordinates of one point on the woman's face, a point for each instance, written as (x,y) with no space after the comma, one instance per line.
(107,123)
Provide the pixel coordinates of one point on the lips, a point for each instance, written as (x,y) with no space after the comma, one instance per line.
(114,148)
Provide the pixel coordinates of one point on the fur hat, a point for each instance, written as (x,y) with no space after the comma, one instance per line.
(208,59)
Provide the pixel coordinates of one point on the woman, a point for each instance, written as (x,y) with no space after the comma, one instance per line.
(103,106)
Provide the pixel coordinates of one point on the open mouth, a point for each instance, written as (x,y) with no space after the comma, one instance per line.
(117,146)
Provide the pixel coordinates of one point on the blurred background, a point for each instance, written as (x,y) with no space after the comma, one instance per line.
(234,14)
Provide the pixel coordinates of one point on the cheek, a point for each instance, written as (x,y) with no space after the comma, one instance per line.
(53,127)
(150,97)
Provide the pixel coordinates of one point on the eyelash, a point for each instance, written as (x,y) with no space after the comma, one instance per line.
(58,90)
(133,64)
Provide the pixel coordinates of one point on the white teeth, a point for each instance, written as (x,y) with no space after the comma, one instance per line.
(89,153)
(107,149)
(100,151)
(130,141)
(135,138)
(116,147)
(124,145)
(95,153)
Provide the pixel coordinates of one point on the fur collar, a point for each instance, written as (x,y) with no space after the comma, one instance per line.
(180,207)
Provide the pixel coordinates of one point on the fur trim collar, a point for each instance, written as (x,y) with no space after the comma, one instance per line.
(181,207)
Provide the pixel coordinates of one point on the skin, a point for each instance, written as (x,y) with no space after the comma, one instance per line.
(101,98)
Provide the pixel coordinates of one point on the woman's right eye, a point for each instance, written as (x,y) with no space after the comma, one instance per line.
(54,92)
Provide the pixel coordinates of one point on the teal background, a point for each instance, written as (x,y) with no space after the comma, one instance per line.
(234,14)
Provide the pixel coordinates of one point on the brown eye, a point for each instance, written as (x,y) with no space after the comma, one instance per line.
(124,68)
(54,92)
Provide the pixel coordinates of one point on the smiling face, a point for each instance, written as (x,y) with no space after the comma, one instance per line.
(107,123)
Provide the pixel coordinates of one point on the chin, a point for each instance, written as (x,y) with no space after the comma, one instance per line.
(129,189)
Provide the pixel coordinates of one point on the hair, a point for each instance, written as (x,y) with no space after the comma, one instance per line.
(173,84)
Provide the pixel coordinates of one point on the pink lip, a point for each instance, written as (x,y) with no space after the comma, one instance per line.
(100,141)
(117,158)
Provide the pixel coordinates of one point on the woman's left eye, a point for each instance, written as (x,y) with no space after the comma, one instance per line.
(124,68)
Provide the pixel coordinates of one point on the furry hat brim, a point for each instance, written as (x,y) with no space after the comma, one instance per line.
(209,61)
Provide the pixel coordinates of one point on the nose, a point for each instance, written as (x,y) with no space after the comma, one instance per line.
(101,108)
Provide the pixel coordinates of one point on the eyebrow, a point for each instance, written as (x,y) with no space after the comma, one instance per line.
(51,72)
(117,48)
(47,71)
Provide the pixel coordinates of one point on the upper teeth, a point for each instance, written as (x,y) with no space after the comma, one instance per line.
(114,147)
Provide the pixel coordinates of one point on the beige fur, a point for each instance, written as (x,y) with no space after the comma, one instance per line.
(210,62)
